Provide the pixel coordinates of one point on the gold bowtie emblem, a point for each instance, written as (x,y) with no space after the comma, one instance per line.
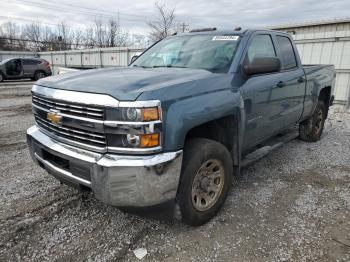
(54,118)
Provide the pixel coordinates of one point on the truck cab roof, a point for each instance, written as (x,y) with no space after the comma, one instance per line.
(242,32)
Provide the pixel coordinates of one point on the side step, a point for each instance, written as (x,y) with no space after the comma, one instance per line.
(269,145)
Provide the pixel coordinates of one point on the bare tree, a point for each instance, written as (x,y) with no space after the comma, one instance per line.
(164,24)
(10,37)
(100,33)
(88,39)
(65,33)
(77,38)
(33,32)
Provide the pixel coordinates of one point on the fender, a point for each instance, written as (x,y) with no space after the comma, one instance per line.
(188,113)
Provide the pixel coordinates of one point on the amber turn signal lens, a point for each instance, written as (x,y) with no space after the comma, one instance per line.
(151,140)
(150,114)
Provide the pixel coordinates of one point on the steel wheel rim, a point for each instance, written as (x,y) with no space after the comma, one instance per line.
(318,124)
(208,184)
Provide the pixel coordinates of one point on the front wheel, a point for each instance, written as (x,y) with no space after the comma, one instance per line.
(1,77)
(205,181)
(311,129)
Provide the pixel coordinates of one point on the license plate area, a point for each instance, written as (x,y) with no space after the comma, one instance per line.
(77,169)
(56,160)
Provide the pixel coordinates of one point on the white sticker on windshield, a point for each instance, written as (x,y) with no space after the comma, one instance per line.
(225,38)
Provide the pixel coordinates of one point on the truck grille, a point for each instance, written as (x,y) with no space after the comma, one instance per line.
(72,133)
(80,110)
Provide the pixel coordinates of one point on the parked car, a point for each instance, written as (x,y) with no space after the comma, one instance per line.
(174,127)
(20,68)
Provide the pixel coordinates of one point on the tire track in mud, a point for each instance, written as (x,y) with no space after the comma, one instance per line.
(27,108)
(13,141)
(24,225)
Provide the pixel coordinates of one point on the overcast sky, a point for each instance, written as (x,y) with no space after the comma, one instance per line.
(197,13)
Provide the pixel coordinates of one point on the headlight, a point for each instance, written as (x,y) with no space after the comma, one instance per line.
(143,141)
(132,114)
(134,127)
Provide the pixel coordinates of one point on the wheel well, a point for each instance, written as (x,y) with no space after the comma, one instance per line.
(39,70)
(325,96)
(223,130)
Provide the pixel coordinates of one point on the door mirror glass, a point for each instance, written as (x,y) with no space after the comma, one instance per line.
(262,65)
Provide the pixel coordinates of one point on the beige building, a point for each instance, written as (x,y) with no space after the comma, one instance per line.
(326,42)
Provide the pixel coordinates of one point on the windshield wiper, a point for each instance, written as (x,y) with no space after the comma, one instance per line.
(141,66)
(156,66)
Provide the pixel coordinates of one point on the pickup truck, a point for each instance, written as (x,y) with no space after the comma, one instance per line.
(173,128)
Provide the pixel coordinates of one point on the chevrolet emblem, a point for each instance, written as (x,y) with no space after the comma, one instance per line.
(54,117)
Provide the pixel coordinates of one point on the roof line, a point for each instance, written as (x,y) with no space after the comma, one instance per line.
(311,23)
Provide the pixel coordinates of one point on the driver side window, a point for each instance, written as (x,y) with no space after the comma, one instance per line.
(260,46)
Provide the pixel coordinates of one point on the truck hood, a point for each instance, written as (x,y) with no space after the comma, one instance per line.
(125,83)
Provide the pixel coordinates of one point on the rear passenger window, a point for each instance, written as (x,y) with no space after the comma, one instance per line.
(287,53)
(261,46)
(31,62)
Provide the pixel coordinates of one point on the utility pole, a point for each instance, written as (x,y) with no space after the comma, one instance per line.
(183,27)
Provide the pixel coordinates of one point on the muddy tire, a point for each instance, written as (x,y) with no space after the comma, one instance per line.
(311,129)
(38,75)
(206,178)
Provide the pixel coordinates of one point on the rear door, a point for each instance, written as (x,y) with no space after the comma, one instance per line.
(29,67)
(287,96)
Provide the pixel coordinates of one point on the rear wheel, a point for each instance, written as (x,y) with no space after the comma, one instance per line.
(1,77)
(38,75)
(205,180)
(311,129)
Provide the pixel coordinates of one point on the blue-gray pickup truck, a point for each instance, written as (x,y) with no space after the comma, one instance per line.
(173,128)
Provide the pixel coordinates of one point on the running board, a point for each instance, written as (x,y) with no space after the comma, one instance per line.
(268,146)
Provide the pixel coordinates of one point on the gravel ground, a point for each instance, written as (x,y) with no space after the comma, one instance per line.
(293,205)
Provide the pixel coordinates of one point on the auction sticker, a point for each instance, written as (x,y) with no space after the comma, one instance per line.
(225,38)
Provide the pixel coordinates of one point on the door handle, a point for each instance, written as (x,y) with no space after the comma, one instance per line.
(281,84)
(301,79)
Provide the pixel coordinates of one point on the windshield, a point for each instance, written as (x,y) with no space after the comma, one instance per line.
(213,53)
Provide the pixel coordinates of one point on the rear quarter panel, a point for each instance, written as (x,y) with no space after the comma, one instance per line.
(318,77)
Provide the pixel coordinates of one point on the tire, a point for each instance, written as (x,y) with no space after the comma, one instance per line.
(311,129)
(197,176)
(38,75)
(2,78)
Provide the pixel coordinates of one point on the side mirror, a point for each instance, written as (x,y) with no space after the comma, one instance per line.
(133,59)
(262,65)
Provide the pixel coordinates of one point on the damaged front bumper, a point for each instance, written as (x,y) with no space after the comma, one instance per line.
(118,180)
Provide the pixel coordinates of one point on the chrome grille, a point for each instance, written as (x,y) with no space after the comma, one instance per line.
(69,108)
(74,134)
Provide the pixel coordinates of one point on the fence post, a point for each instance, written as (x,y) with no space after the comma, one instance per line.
(81,59)
(65,59)
(101,65)
(127,56)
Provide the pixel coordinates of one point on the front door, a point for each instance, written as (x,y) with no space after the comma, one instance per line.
(14,68)
(257,92)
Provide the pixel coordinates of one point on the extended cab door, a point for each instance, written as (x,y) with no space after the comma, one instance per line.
(287,96)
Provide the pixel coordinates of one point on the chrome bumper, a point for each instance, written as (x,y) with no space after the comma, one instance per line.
(118,180)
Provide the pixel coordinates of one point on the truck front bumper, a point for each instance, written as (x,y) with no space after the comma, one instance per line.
(118,180)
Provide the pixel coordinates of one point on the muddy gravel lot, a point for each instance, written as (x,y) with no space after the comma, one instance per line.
(293,205)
